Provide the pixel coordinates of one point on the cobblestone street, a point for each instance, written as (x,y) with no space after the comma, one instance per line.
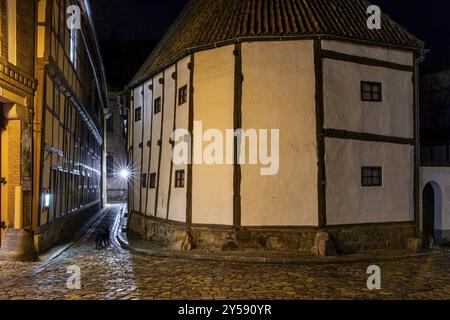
(118,274)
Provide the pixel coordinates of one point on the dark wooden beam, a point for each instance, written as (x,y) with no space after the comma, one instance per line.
(328,54)
(321,173)
(350,135)
(237,119)
(189,178)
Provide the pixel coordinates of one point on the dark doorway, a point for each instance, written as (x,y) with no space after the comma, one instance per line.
(428,212)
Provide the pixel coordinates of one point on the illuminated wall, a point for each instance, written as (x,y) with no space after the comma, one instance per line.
(70,108)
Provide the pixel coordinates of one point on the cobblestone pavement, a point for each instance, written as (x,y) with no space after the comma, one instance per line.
(114,273)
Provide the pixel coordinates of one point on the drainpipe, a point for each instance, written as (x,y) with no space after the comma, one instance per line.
(418,58)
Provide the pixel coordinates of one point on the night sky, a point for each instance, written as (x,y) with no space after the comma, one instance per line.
(129,29)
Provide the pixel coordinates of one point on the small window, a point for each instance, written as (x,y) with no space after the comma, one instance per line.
(138,114)
(144,180)
(179,179)
(158,105)
(371,177)
(110,125)
(11,23)
(73,46)
(109,166)
(152,183)
(182,95)
(371,91)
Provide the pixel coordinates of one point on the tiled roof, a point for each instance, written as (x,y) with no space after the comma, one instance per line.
(205,22)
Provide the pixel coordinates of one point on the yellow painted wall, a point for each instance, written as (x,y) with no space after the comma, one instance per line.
(146,149)
(4,173)
(212,191)
(137,139)
(156,135)
(177,210)
(166,147)
(278,93)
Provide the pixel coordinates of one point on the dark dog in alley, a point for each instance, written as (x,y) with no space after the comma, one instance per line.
(106,239)
(102,238)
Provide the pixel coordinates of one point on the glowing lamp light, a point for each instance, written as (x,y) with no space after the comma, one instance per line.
(124,174)
(47,198)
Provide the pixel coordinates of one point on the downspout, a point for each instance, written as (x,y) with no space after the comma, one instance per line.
(418,58)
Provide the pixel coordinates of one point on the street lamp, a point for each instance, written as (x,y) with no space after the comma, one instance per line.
(124,174)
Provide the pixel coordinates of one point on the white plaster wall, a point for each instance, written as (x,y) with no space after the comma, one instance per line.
(278,93)
(441,177)
(166,147)
(137,138)
(344,110)
(156,135)
(350,203)
(146,149)
(212,192)
(177,206)
(380,53)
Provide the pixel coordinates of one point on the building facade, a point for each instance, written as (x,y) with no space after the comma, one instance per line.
(435,153)
(343,97)
(116,149)
(17,88)
(71,102)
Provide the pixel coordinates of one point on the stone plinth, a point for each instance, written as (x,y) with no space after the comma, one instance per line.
(18,246)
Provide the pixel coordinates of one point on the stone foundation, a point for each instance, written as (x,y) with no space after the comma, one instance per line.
(63,229)
(349,239)
(18,246)
(346,239)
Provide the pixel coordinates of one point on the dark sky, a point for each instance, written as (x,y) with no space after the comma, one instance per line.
(129,29)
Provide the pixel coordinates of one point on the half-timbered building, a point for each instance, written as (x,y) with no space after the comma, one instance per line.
(343,96)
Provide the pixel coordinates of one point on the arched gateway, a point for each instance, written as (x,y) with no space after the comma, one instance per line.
(431,211)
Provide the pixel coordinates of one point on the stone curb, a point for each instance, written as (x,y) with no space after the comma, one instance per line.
(266,260)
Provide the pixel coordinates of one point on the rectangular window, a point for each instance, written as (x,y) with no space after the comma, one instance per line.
(182,95)
(179,179)
(371,91)
(152,183)
(371,177)
(138,114)
(144,180)
(109,165)
(158,105)
(110,124)
(73,46)
(12,30)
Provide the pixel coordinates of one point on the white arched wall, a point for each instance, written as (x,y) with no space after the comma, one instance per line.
(439,178)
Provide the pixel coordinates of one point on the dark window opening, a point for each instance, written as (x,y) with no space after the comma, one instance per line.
(157,105)
(109,166)
(371,91)
(179,179)
(110,124)
(152,181)
(371,177)
(138,114)
(182,95)
(144,180)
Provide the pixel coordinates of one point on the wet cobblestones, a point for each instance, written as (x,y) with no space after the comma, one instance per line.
(115,273)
